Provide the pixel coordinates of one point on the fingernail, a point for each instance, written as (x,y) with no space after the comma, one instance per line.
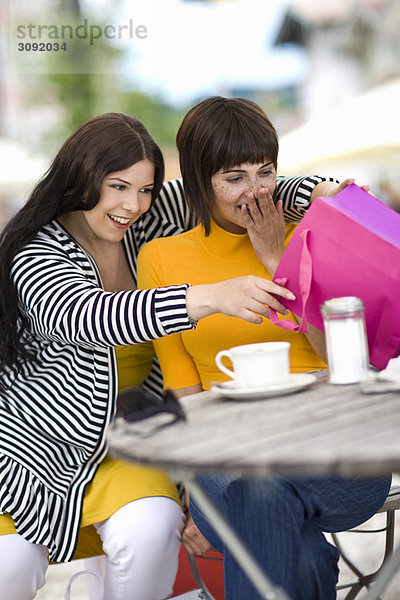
(290,296)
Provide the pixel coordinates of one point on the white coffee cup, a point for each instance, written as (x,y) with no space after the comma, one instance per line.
(257,365)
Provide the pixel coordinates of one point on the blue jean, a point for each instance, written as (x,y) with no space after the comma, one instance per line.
(281,521)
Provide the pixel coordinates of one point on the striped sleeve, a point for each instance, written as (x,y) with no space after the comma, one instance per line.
(295,193)
(173,206)
(169,214)
(62,304)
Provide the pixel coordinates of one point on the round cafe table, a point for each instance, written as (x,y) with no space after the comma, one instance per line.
(323,429)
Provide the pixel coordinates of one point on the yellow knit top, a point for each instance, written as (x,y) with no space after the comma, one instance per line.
(189,358)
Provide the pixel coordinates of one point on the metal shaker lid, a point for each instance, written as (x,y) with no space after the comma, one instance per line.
(342,305)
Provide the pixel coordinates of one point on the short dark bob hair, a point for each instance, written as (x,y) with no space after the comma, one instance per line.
(221,133)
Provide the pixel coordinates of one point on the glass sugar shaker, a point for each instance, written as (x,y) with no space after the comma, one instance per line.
(346,339)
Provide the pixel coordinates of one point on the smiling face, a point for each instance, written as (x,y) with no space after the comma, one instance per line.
(124,197)
(231,188)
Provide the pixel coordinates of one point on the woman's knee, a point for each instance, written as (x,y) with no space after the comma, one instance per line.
(23,568)
(340,503)
(141,541)
(148,525)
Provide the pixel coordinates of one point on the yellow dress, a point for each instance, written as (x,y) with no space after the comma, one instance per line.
(116,482)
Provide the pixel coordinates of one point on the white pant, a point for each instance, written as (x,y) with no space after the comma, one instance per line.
(141,541)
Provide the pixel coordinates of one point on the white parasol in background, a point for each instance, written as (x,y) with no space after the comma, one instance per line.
(364,129)
(19,171)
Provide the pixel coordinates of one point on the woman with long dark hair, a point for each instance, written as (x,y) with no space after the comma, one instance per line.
(73,332)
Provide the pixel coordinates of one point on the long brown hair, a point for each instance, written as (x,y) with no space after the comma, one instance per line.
(104,144)
(221,133)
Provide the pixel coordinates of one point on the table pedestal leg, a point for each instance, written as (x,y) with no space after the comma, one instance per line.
(256,575)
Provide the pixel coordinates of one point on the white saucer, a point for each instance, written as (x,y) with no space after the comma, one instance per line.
(296,382)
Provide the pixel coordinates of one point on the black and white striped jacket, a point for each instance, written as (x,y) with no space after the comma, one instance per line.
(55,412)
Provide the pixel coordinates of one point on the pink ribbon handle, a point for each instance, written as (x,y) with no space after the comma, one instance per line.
(305,279)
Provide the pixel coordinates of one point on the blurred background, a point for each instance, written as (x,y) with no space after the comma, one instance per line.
(327,72)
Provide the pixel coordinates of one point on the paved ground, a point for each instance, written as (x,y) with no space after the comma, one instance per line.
(57,581)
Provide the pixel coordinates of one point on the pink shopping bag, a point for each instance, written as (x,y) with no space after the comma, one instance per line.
(347,245)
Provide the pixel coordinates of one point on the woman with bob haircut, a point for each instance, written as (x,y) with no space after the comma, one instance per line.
(73,327)
(228,152)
